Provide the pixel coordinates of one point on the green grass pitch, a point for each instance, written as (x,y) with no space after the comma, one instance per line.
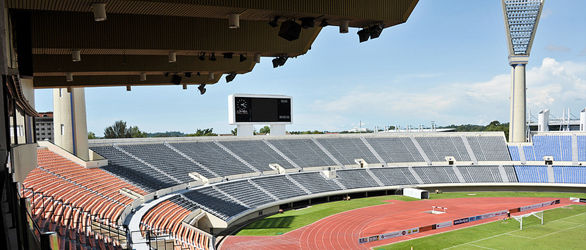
(293,219)
(564,228)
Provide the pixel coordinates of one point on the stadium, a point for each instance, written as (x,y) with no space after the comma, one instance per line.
(387,189)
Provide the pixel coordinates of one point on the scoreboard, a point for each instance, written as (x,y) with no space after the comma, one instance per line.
(259,109)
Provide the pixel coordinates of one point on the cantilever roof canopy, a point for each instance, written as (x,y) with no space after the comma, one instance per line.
(138,36)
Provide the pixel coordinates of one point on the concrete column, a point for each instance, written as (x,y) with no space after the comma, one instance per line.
(543,120)
(583,120)
(69,121)
(245,130)
(278,130)
(518,105)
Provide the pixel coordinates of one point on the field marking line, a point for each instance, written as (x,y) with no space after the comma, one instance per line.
(563,230)
(480,246)
(494,236)
(526,237)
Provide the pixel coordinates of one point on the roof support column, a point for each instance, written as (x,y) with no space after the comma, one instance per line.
(518,104)
(70,126)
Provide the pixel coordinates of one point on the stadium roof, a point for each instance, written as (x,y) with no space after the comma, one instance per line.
(138,36)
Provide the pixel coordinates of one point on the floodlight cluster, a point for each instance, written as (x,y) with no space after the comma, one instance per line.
(521,19)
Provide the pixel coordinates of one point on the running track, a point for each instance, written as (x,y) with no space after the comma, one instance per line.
(341,231)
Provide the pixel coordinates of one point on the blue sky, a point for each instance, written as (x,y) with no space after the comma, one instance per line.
(447,63)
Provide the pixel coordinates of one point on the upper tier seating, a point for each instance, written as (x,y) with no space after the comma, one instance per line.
(355,178)
(436,174)
(132,170)
(346,150)
(532,174)
(399,149)
(162,157)
(257,153)
(304,152)
(558,146)
(514,151)
(437,148)
(394,176)
(530,153)
(489,148)
(581,147)
(212,156)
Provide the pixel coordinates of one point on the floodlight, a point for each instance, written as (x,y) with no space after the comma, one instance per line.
(275,22)
(184,86)
(375,30)
(307,22)
(290,30)
(230,77)
(176,79)
(234,21)
(202,56)
(202,89)
(344,26)
(228,55)
(279,61)
(128,88)
(99,10)
(363,35)
(242,57)
(521,19)
(213,57)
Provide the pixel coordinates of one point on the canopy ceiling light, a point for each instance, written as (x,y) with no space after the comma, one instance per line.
(202,56)
(234,21)
(69,77)
(242,57)
(172,56)
(99,10)
(76,55)
(143,77)
(211,76)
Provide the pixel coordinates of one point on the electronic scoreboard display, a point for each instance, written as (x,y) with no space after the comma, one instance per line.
(260,109)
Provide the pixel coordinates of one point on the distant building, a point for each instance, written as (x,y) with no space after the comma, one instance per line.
(44,126)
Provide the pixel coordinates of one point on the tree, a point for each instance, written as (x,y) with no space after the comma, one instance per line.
(91,135)
(265,130)
(120,130)
(204,132)
(234,131)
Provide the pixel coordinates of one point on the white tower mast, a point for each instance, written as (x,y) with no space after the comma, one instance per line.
(521,18)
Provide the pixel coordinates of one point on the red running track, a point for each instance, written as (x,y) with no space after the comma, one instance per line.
(341,231)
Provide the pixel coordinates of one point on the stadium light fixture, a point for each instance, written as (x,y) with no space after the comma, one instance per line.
(143,76)
(213,57)
(521,19)
(375,30)
(128,88)
(257,58)
(184,86)
(202,89)
(274,22)
(242,57)
(363,35)
(279,61)
(234,21)
(230,77)
(99,10)
(202,56)
(176,79)
(211,76)
(76,55)
(290,30)
(344,26)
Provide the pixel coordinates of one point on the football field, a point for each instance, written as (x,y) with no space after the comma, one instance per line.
(564,228)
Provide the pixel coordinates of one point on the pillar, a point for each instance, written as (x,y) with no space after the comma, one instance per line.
(543,120)
(278,130)
(69,121)
(245,130)
(583,120)
(517,125)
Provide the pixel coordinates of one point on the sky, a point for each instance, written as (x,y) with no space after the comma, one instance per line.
(448,63)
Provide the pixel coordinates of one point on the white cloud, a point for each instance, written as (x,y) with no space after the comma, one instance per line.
(554,85)
(557,48)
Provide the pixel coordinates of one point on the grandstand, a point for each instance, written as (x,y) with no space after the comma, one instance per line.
(184,191)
